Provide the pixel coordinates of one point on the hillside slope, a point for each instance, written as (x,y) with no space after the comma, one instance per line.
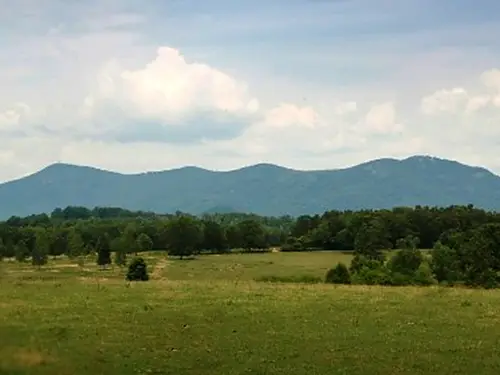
(263,188)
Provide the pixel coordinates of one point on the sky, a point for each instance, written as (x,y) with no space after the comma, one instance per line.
(132,86)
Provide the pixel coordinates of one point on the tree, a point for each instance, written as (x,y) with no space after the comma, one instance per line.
(21,251)
(39,255)
(144,242)
(371,239)
(184,235)
(137,270)
(119,246)
(76,246)
(3,250)
(407,260)
(103,251)
(338,275)
(253,235)
(214,236)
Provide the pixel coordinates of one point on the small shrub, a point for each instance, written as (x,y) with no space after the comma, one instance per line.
(373,276)
(293,245)
(405,261)
(401,279)
(423,275)
(338,275)
(137,270)
(360,262)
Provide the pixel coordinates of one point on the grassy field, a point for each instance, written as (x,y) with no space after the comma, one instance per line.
(209,316)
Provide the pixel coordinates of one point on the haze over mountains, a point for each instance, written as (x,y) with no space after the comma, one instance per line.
(263,188)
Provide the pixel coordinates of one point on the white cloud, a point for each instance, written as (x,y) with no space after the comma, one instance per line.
(287,114)
(381,118)
(344,108)
(449,101)
(477,103)
(491,79)
(13,117)
(171,92)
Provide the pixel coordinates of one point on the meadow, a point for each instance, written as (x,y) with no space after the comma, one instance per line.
(211,315)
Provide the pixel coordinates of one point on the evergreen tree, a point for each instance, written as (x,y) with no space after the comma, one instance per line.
(21,251)
(103,251)
(137,271)
(39,255)
(76,246)
(144,242)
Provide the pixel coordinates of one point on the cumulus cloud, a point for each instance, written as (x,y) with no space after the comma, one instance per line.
(185,99)
(344,108)
(459,100)
(449,101)
(287,114)
(491,79)
(381,118)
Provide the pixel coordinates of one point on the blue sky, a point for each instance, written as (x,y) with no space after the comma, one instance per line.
(131,85)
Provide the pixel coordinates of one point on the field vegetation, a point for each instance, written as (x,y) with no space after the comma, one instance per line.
(109,291)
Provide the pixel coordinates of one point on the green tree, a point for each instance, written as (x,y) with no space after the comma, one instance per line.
(39,255)
(214,236)
(338,275)
(103,249)
(371,239)
(137,270)
(76,246)
(184,236)
(119,246)
(144,242)
(253,235)
(21,251)
(407,260)
(3,250)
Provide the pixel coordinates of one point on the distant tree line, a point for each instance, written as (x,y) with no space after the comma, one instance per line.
(465,240)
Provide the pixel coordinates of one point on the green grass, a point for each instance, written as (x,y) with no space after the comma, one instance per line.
(203,316)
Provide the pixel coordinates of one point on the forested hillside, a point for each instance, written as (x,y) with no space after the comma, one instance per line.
(466,239)
(263,189)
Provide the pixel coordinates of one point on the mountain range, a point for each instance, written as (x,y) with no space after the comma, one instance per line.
(265,189)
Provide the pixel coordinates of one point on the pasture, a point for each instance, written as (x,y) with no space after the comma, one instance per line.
(210,316)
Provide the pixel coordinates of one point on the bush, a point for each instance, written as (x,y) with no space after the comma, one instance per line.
(360,262)
(137,270)
(406,261)
(423,275)
(373,276)
(293,245)
(338,275)
(303,279)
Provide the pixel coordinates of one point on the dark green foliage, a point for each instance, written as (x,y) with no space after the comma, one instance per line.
(360,261)
(338,275)
(184,236)
(423,276)
(3,250)
(103,250)
(21,251)
(445,264)
(144,242)
(137,270)
(303,279)
(76,246)
(405,261)
(294,244)
(380,275)
(40,252)
(252,234)
(214,237)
